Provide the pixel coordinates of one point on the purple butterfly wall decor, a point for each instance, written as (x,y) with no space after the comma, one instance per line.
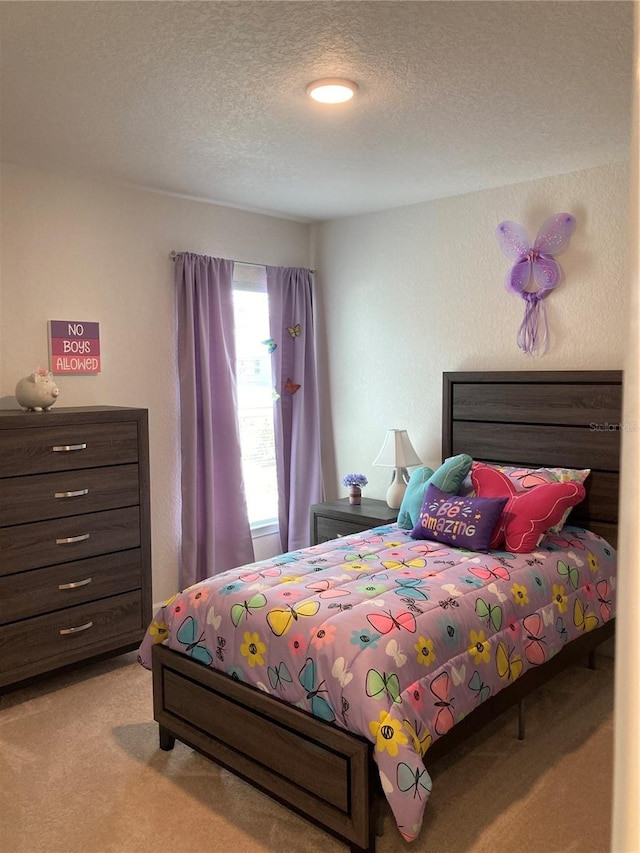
(535,262)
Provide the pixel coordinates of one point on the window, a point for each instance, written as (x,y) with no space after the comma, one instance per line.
(255,394)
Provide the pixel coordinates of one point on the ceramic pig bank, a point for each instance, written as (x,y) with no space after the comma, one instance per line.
(37,392)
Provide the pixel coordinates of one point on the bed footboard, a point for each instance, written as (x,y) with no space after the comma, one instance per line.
(330,782)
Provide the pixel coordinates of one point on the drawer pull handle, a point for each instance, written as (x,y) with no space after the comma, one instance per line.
(75,494)
(77,629)
(74,584)
(69,540)
(64,448)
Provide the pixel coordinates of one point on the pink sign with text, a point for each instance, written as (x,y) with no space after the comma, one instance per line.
(74,346)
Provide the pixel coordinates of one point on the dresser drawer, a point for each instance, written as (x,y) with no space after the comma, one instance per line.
(45,543)
(64,634)
(43,496)
(44,590)
(42,449)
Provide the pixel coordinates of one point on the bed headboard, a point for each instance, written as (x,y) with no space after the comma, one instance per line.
(535,418)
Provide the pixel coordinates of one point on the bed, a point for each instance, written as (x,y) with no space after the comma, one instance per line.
(324,729)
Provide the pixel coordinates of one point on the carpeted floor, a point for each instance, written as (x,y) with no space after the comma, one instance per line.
(81,772)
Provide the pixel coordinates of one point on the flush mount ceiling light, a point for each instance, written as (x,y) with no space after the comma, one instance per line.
(332,90)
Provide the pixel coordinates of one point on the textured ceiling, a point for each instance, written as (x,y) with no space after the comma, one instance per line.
(207,99)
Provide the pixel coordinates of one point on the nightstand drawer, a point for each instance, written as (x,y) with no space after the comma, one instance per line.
(41,591)
(333,528)
(31,546)
(42,496)
(334,519)
(42,449)
(63,634)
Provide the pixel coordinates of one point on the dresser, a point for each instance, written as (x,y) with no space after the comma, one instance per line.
(333,519)
(75,545)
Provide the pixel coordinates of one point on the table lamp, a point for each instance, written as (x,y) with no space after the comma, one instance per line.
(397,453)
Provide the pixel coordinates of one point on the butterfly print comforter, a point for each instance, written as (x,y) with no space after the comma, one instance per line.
(392,638)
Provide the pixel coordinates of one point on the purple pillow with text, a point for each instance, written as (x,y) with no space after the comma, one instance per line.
(457,520)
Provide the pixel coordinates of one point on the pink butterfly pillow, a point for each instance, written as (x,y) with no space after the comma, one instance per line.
(524,479)
(458,521)
(527,515)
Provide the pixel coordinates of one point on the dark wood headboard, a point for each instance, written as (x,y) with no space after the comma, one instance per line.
(569,419)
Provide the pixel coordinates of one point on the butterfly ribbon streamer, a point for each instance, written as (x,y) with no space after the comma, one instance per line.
(530,339)
(537,262)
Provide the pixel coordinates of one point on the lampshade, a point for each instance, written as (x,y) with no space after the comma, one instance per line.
(398,453)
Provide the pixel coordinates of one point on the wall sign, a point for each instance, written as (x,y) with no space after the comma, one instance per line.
(74,346)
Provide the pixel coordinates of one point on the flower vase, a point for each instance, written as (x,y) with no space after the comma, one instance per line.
(355,494)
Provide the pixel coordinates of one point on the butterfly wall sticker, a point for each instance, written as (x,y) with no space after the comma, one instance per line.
(535,262)
(270,344)
(291,387)
(294,331)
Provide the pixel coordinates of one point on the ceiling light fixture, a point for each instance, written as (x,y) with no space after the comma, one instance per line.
(332,90)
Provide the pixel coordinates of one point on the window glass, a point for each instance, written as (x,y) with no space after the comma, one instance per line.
(255,400)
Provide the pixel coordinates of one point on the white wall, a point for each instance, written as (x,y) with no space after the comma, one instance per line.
(82,250)
(626,788)
(407,294)
(402,296)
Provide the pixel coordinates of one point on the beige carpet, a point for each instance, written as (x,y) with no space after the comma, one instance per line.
(81,772)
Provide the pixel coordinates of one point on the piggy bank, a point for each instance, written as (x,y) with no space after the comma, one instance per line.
(37,392)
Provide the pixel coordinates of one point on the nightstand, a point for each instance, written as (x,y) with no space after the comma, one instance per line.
(333,519)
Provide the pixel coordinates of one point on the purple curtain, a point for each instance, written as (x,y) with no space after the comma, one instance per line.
(296,419)
(215,527)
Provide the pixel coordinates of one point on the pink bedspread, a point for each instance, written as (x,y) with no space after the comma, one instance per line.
(392,638)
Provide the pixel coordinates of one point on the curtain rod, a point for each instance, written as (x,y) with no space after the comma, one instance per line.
(173,255)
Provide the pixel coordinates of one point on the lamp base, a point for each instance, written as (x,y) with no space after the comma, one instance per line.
(396,490)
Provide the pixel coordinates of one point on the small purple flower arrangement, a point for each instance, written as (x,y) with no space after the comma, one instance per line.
(355,483)
(358,480)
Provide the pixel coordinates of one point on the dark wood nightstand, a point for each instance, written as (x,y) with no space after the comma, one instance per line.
(333,519)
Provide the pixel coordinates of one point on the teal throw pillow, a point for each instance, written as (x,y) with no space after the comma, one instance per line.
(413,497)
(450,475)
(448,478)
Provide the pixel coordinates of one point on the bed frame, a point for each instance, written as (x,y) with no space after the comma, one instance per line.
(530,418)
